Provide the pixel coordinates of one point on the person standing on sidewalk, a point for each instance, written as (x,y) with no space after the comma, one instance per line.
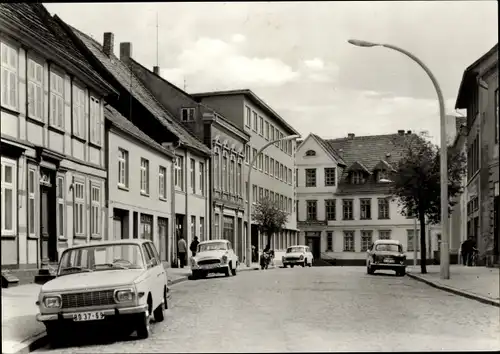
(181,249)
(194,246)
(467,249)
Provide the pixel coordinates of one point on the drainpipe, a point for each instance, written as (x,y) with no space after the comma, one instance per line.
(172,202)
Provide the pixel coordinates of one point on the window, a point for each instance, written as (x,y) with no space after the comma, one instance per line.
(285,146)
(228,229)
(31,201)
(144,176)
(409,237)
(248,116)
(266,193)
(254,194)
(285,177)
(122,167)
(187,114)
(348,241)
(266,164)
(60,206)
(232,166)
(290,176)
(497,118)
(330,176)
(35,89)
(9,66)
(277,136)
(266,132)
(193,226)
(216,226)
(329,241)
(310,177)
(147,227)
(202,177)
(383,208)
(8,195)
(384,235)
(261,161)
(277,169)
(225,171)
(366,240)
(272,133)
(95,121)
(95,211)
(473,157)
(282,174)
(296,177)
(216,171)
(193,175)
(261,126)
(311,209)
(202,228)
(381,174)
(330,209)
(366,209)
(271,166)
(247,154)
(357,177)
(56,100)
(282,203)
(78,112)
(162,182)
(310,153)
(255,121)
(254,153)
(238,179)
(79,208)
(179,172)
(261,194)
(347,209)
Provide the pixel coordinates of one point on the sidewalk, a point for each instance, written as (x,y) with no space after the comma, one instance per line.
(22,333)
(477,283)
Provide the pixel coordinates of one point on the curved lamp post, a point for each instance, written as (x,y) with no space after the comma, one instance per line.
(249,196)
(445,250)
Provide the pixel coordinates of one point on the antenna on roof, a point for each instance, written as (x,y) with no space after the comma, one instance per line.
(157,38)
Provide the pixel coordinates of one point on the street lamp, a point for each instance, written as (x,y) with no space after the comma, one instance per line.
(445,250)
(249,195)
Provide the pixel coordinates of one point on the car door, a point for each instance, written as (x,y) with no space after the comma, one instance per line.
(152,273)
(158,272)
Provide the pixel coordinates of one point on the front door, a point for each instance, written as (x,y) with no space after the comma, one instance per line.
(314,245)
(117,228)
(48,236)
(163,235)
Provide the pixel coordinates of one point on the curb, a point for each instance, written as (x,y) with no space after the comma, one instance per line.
(40,340)
(455,291)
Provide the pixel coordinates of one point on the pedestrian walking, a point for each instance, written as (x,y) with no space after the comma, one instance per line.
(181,249)
(463,252)
(467,250)
(194,246)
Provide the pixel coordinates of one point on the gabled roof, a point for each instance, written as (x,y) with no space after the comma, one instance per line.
(255,99)
(32,22)
(330,150)
(469,74)
(383,165)
(127,79)
(358,166)
(122,123)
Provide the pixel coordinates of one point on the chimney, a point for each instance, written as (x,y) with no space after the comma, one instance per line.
(156,70)
(350,136)
(125,51)
(108,43)
(408,132)
(401,132)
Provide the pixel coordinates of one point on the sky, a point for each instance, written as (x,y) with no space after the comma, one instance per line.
(295,55)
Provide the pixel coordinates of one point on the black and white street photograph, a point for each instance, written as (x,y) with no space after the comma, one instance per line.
(249,177)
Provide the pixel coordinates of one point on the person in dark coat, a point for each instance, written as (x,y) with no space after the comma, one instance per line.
(467,249)
(194,246)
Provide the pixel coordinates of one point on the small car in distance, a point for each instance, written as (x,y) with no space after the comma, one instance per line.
(114,284)
(297,255)
(214,256)
(386,254)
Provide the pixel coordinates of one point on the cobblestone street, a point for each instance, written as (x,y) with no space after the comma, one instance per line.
(312,309)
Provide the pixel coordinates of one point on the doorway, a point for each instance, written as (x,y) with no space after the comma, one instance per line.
(163,235)
(313,241)
(120,224)
(48,226)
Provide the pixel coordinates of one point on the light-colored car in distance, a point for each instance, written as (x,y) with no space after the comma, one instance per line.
(386,254)
(120,283)
(214,256)
(297,255)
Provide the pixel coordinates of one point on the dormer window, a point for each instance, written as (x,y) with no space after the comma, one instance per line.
(187,114)
(382,174)
(357,177)
(310,153)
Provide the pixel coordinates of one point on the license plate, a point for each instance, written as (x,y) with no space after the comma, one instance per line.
(209,266)
(88,316)
(388,260)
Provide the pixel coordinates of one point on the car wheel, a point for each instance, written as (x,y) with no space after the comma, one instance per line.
(285,265)
(143,325)
(304,263)
(56,338)
(369,269)
(311,263)
(233,270)
(228,270)
(195,274)
(292,265)
(159,313)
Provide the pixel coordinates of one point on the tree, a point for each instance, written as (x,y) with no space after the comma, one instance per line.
(269,217)
(417,183)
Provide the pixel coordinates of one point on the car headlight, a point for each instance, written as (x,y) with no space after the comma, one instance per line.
(301,256)
(52,302)
(124,295)
(224,259)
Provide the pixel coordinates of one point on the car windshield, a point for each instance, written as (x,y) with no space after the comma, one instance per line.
(294,249)
(212,246)
(388,247)
(96,258)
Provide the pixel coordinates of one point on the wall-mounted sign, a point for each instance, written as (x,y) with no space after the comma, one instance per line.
(312,223)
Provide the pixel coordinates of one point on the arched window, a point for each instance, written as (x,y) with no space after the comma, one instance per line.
(310,153)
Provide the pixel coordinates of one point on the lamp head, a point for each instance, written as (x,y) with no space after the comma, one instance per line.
(291,137)
(360,43)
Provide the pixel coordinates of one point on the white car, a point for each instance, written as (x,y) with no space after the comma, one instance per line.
(214,256)
(114,284)
(297,255)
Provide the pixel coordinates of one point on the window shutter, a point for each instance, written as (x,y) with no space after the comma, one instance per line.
(31,98)
(13,89)
(39,100)
(5,85)
(39,73)
(60,108)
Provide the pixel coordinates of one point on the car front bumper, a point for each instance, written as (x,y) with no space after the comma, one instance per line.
(292,262)
(107,313)
(393,266)
(210,268)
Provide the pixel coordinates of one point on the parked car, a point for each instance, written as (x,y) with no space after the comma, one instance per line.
(297,255)
(386,254)
(123,282)
(214,256)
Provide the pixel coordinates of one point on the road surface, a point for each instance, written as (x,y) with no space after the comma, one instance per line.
(311,309)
